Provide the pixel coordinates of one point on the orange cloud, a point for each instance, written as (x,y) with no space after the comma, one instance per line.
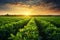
(21,9)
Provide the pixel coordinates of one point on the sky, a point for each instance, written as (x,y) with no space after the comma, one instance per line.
(30,7)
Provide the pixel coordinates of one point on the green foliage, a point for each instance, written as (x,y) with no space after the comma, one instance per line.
(22,28)
(7,29)
(29,32)
(50,31)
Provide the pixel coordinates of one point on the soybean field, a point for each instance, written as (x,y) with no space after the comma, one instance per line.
(30,28)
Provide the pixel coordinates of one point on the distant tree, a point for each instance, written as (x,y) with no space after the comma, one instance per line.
(7,15)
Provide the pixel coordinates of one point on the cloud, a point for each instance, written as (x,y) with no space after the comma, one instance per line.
(36,5)
(4,7)
(55,4)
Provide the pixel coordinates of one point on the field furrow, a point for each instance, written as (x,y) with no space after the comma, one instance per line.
(29,32)
(30,28)
(7,29)
(47,30)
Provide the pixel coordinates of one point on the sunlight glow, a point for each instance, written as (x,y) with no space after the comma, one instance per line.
(27,13)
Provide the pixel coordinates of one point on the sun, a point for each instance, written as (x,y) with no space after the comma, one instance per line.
(27,13)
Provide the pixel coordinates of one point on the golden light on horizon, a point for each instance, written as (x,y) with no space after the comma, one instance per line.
(27,10)
(27,13)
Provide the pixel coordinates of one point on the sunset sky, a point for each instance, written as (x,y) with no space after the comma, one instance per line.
(30,7)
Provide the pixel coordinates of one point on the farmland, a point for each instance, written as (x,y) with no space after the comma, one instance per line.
(30,28)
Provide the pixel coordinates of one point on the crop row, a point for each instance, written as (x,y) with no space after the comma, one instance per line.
(47,31)
(7,20)
(53,20)
(7,29)
(29,32)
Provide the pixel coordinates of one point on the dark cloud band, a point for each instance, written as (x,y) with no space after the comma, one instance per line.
(55,3)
